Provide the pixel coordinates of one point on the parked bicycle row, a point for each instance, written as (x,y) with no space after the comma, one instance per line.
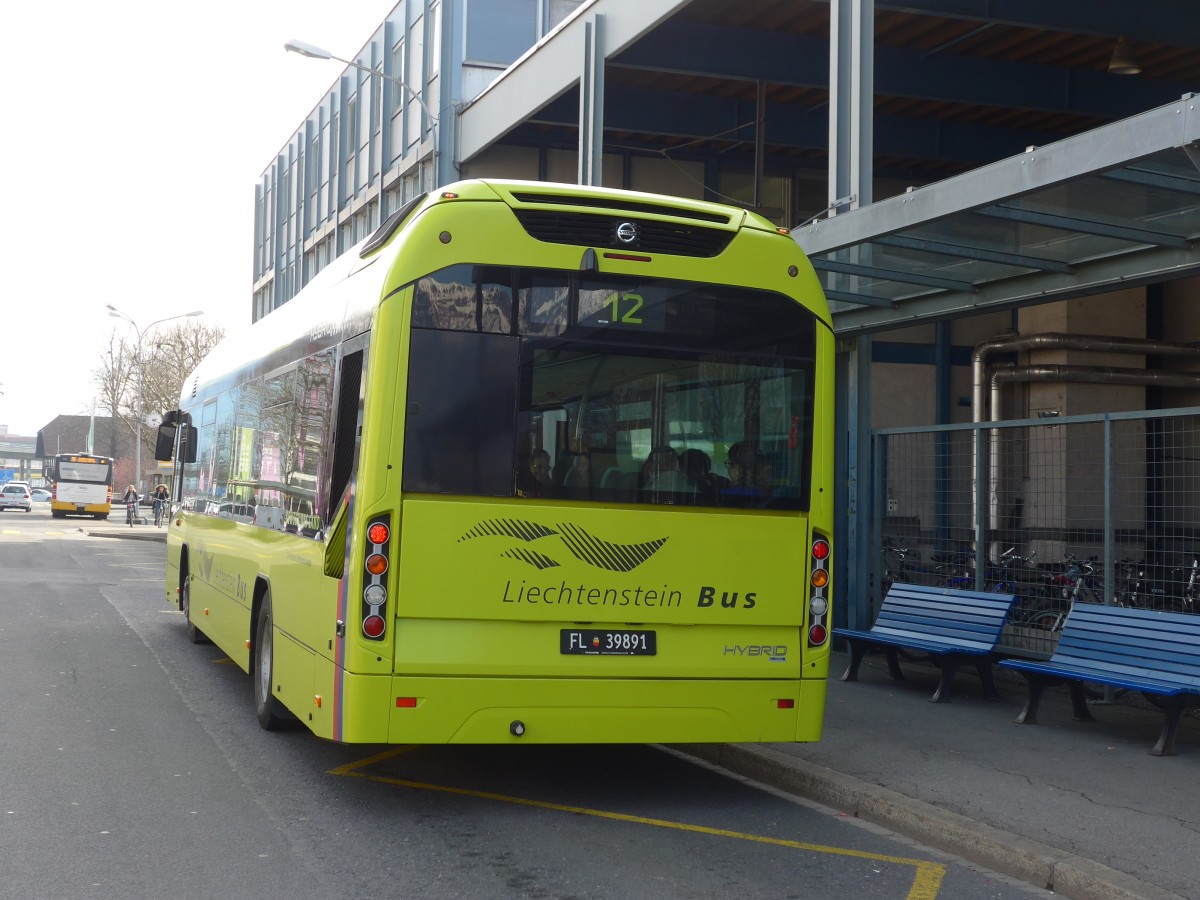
(1046,592)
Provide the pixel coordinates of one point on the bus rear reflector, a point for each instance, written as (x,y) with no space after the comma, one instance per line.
(406,702)
(785,703)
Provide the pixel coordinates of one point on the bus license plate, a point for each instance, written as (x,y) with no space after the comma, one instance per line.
(588,642)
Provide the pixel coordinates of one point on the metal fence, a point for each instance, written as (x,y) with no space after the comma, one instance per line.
(1101,509)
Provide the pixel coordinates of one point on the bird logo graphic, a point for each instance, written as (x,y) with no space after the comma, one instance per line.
(583,546)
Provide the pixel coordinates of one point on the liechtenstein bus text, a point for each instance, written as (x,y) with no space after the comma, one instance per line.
(536,462)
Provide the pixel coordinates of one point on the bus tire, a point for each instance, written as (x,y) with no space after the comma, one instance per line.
(272,715)
(58,514)
(194,634)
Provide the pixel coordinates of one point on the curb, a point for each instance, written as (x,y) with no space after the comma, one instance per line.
(131,536)
(1031,861)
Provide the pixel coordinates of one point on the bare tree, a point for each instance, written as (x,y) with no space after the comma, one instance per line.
(167,356)
(115,379)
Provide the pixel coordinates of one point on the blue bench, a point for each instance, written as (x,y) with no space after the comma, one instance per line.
(953,626)
(1156,653)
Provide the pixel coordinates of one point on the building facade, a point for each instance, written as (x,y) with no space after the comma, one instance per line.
(383,133)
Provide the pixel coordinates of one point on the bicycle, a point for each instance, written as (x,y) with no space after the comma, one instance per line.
(1075,584)
(949,570)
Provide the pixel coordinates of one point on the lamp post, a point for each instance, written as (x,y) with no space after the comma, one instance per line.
(117,314)
(312,52)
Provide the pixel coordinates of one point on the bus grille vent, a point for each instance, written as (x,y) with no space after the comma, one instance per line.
(600,231)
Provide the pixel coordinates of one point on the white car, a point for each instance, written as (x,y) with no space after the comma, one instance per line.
(16,496)
(41,495)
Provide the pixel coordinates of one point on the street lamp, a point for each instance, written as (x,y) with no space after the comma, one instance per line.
(318,53)
(117,314)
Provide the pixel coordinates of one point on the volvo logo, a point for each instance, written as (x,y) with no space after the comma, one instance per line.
(627,232)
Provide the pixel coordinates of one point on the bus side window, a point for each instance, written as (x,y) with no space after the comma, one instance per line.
(345,435)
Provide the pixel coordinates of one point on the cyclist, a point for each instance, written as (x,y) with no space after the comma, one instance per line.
(130,499)
(160,504)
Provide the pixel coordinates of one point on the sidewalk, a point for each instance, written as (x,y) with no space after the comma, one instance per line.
(1081,808)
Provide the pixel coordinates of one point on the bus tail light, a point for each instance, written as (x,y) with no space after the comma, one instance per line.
(375,586)
(818,596)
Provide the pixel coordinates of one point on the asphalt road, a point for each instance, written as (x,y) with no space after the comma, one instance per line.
(133,766)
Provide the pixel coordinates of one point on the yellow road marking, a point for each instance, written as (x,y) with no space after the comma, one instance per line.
(926,882)
(351,768)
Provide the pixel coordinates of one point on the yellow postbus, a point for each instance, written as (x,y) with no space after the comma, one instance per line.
(80,485)
(534,463)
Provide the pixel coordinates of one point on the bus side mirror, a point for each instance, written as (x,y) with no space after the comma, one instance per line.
(164,444)
(187,445)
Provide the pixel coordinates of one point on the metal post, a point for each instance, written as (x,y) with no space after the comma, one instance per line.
(137,450)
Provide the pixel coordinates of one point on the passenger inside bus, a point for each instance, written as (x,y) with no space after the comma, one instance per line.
(749,472)
(534,479)
(661,472)
(697,468)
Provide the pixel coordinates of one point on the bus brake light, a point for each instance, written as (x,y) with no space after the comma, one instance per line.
(373,626)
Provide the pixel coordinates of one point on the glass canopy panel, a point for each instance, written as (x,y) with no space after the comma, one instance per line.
(1174,164)
(878,288)
(1054,243)
(1119,198)
(924,262)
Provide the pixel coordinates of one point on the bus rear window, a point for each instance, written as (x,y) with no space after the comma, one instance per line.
(90,473)
(613,389)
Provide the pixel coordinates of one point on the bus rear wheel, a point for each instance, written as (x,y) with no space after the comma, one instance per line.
(272,715)
(194,634)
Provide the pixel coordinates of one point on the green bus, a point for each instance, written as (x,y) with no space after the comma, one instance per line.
(534,463)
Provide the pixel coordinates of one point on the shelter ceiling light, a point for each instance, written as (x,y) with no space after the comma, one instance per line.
(1124,61)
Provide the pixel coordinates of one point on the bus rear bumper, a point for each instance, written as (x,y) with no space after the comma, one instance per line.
(603,711)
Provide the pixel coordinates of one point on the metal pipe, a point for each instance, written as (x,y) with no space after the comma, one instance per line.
(1052,341)
(1094,343)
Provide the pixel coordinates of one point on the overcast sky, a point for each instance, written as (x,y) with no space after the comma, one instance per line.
(132,134)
